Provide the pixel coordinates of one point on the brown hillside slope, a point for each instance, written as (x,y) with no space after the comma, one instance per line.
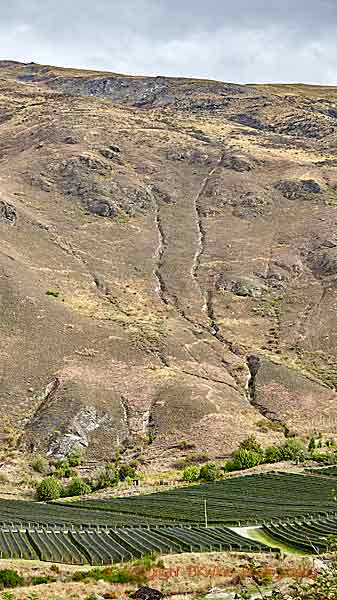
(168,261)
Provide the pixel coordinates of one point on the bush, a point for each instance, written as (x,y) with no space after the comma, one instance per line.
(246,459)
(107,477)
(324,458)
(186,445)
(55,568)
(77,487)
(115,575)
(75,458)
(63,469)
(79,575)
(292,450)
(252,444)
(229,466)
(191,474)
(126,471)
(40,579)
(10,578)
(210,472)
(193,458)
(312,444)
(52,293)
(272,454)
(48,489)
(40,464)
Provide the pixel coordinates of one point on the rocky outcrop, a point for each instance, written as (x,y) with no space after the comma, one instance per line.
(7,212)
(241,286)
(324,262)
(300,189)
(237,163)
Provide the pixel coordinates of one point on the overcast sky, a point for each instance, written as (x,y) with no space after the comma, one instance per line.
(230,40)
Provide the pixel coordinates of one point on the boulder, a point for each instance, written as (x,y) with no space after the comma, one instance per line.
(147,593)
(103,207)
(7,212)
(297,189)
(237,163)
(241,286)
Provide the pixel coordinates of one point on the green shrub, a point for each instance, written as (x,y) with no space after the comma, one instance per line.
(75,458)
(210,472)
(40,464)
(191,474)
(40,579)
(10,578)
(229,466)
(126,471)
(55,568)
(312,444)
(246,459)
(324,458)
(79,575)
(62,469)
(292,449)
(185,445)
(77,487)
(151,437)
(115,575)
(253,445)
(107,477)
(272,454)
(52,293)
(8,596)
(193,458)
(48,489)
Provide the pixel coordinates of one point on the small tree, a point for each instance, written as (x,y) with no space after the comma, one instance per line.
(75,458)
(10,578)
(292,449)
(191,474)
(312,444)
(246,459)
(210,472)
(63,469)
(107,477)
(252,444)
(48,489)
(40,464)
(77,487)
(126,471)
(272,454)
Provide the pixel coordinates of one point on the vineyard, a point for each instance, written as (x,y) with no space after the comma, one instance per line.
(295,509)
(311,534)
(327,471)
(240,500)
(98,546)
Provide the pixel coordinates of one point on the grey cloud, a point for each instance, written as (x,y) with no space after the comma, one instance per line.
(244,40)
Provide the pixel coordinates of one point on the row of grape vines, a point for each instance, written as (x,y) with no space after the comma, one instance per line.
(313,534)
(100,546)
(235,501)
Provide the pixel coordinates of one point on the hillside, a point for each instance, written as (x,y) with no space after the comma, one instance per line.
(168,262)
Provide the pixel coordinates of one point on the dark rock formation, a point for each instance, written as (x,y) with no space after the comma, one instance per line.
(7,212)
(293,189)
(147,593)
(241,286)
